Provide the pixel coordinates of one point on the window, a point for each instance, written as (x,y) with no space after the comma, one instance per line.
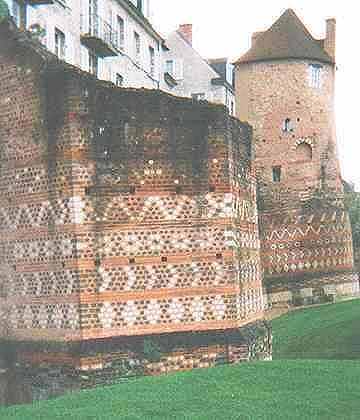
(304,153)
(19,13)
(121,32)
(287,126)
(198,96)
(59,44)
(315,75)
(152,61)
(276,173)
(119,80)
(93,63)
(175,68)
(137,46)
(93,18)
(169,67)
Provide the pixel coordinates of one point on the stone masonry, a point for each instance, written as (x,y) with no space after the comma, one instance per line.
(285,88)
(125,214)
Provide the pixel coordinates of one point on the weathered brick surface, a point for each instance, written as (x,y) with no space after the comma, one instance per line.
(174,351)
(123,212)
(304,228)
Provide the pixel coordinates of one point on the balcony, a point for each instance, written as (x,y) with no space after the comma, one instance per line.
(99,36)
(39,2)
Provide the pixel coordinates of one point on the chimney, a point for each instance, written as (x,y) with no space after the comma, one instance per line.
(255,36)
(330,40)
(186,32)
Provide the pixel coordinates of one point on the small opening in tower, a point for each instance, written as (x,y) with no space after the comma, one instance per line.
(304,153)
(276,173)
(287,125)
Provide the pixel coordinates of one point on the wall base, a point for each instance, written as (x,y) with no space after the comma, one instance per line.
(154,354)
(311,291)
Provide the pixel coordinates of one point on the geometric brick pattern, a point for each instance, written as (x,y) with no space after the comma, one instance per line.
(304,227)
(119,222)
(325,245)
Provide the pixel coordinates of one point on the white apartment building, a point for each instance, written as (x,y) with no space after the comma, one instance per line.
(187,74)
(113,39)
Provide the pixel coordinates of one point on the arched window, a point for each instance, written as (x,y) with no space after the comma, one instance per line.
(287,125)
(304,153)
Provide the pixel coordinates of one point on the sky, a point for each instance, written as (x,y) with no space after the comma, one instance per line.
(223,29)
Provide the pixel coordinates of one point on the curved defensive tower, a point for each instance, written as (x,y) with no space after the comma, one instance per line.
(128,223)
(285,90)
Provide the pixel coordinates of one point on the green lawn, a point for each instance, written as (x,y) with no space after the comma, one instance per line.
(278,390)
(283,389)
(324,332)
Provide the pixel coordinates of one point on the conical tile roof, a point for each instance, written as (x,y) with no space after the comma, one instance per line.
(287,38)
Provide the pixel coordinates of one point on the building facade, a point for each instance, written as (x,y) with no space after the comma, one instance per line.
(285,90)
(187,74)
(115,41)
(112,39)
(126,216)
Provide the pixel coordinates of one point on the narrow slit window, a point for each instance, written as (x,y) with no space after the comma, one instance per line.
(287,125)
(276,173)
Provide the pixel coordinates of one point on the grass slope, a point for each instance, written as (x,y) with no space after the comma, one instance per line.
(324,332)
(278,390)
(284,389)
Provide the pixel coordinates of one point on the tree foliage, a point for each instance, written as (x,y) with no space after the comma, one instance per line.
(353,205)
(4,10)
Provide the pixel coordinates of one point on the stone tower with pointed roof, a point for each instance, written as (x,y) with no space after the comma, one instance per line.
(285,90)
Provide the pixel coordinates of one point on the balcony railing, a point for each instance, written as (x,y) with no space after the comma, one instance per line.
(40,2)
(99,36)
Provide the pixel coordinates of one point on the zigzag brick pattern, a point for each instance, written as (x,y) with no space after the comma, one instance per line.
(123,213)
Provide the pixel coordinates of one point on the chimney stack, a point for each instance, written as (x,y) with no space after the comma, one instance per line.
(186,31)
(255,36)
(330,40)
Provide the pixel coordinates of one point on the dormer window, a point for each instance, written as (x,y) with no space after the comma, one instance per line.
(315,75)
(287,126)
